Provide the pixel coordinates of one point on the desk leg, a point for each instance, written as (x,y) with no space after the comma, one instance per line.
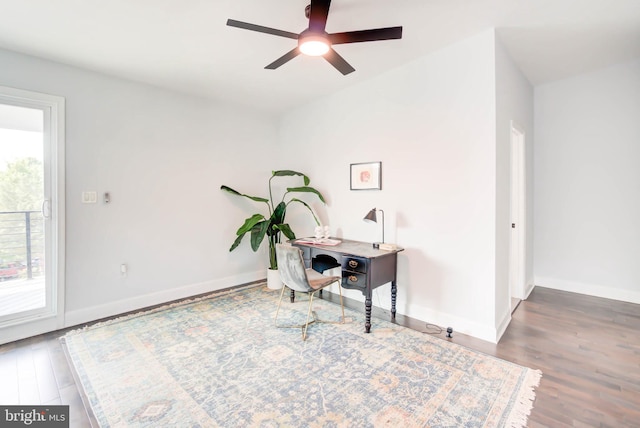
(367,310)
(394,291)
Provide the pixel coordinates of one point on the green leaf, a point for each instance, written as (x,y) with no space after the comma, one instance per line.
(289,173)
(259,225)
(247,226)
(286,230)
(257,234)
(236,242)
(306,189)
(308,207)
(250,223)
(235,192)
(279,213)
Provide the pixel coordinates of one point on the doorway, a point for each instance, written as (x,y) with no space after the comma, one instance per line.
(31,213)
(518,197)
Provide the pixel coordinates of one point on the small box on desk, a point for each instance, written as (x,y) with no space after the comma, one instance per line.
(388,247)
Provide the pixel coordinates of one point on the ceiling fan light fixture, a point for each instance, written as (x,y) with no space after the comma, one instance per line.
(313,44)
(315,41)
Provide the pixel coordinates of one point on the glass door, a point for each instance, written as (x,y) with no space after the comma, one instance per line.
(22,238)
(30,290)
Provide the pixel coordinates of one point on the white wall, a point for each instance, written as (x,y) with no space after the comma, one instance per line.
(432,124)
(514,102)
(587,183)
(163,157)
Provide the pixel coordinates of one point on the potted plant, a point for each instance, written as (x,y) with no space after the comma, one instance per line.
(272,225)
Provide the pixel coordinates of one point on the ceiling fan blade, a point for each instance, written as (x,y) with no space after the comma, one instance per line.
(338,62)
(388,33)
(318,15)
(261,29)
(284,59)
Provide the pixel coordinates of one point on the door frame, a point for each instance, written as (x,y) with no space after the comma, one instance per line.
(53,108)
(518,212)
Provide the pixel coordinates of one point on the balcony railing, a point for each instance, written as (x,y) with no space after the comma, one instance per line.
(21,244)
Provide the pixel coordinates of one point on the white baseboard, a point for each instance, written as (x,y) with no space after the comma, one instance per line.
(459,324)
(12,333)
(84,315)
(382,299)
(624,295)
(530,286)
(502,326)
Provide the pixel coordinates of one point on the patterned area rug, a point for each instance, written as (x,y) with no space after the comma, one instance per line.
(220,361)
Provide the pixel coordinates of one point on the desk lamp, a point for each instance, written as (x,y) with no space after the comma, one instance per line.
(372,217)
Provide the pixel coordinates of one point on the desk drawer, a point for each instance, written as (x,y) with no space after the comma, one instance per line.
(354,264)
(354,279)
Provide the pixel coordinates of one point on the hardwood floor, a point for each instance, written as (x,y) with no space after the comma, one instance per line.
(34,371)
(587,348)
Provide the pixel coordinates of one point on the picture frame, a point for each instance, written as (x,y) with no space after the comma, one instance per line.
(366,176)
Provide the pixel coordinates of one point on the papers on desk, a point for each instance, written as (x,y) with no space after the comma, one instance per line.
(321,241)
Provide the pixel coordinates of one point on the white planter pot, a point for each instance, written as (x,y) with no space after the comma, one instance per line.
(273,279)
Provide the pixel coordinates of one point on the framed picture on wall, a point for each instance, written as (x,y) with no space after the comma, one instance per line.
(366,176)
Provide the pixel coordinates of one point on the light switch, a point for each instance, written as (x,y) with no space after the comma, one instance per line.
(89,197)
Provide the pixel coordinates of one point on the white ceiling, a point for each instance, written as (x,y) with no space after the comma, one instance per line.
(186,46)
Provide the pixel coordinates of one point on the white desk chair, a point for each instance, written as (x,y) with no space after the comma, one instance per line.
(296,277)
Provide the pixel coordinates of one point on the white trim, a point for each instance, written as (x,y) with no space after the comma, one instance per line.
(459,324)
(53,108)
(518,212)
(528,290)
(515,125)
(58,186)
(503,324)
(28,329)
(426,315)
(122,306)
(607,292)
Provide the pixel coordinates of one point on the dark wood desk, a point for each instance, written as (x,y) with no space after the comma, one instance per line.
(363,267)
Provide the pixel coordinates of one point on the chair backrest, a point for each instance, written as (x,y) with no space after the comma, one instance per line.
(291,267)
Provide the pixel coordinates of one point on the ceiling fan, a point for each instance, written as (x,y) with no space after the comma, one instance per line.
(315,41)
